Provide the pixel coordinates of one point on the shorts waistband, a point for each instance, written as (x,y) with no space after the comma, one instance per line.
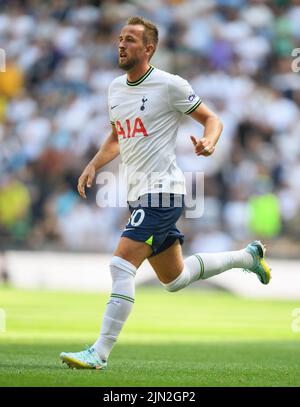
(158,200)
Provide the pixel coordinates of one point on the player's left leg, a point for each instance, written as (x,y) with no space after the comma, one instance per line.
(127,257)
(176,273)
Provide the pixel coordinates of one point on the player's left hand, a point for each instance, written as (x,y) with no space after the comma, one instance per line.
(203,146)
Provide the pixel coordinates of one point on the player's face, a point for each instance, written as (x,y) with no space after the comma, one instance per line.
(132,49)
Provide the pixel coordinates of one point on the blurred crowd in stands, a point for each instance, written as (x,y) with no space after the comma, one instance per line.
(60,59)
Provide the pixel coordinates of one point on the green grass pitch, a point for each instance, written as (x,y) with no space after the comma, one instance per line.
(189,338)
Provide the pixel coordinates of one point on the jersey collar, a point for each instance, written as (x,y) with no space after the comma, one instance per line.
(139,81)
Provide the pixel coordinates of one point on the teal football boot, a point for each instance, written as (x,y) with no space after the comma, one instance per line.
(87,359)
(260,267)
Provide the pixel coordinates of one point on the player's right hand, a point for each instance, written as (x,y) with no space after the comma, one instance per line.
(86,179)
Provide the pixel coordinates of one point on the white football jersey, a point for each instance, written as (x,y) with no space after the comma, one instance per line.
(147,115)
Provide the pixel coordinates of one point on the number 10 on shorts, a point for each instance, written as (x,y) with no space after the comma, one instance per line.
(137,217)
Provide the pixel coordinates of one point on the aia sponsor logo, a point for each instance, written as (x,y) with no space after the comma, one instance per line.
(130,130)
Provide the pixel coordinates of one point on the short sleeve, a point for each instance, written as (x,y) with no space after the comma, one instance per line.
(182,96)
(111,119)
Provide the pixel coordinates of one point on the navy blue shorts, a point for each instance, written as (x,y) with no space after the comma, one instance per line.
(153,220)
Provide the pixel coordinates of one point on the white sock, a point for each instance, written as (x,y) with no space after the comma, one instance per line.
(205,265)
(118,307)
(216,263)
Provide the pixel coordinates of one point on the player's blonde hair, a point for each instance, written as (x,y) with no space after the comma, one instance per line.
(150,35)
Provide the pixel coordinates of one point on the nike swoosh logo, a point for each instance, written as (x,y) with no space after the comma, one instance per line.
(128,229)
(113,107)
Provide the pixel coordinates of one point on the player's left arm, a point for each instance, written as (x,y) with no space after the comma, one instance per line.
(212,130)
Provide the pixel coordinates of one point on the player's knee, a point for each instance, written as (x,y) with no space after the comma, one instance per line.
(171,288)
(120,267)
(180,282)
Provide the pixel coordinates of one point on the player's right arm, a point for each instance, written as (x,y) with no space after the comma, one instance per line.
(108,151)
